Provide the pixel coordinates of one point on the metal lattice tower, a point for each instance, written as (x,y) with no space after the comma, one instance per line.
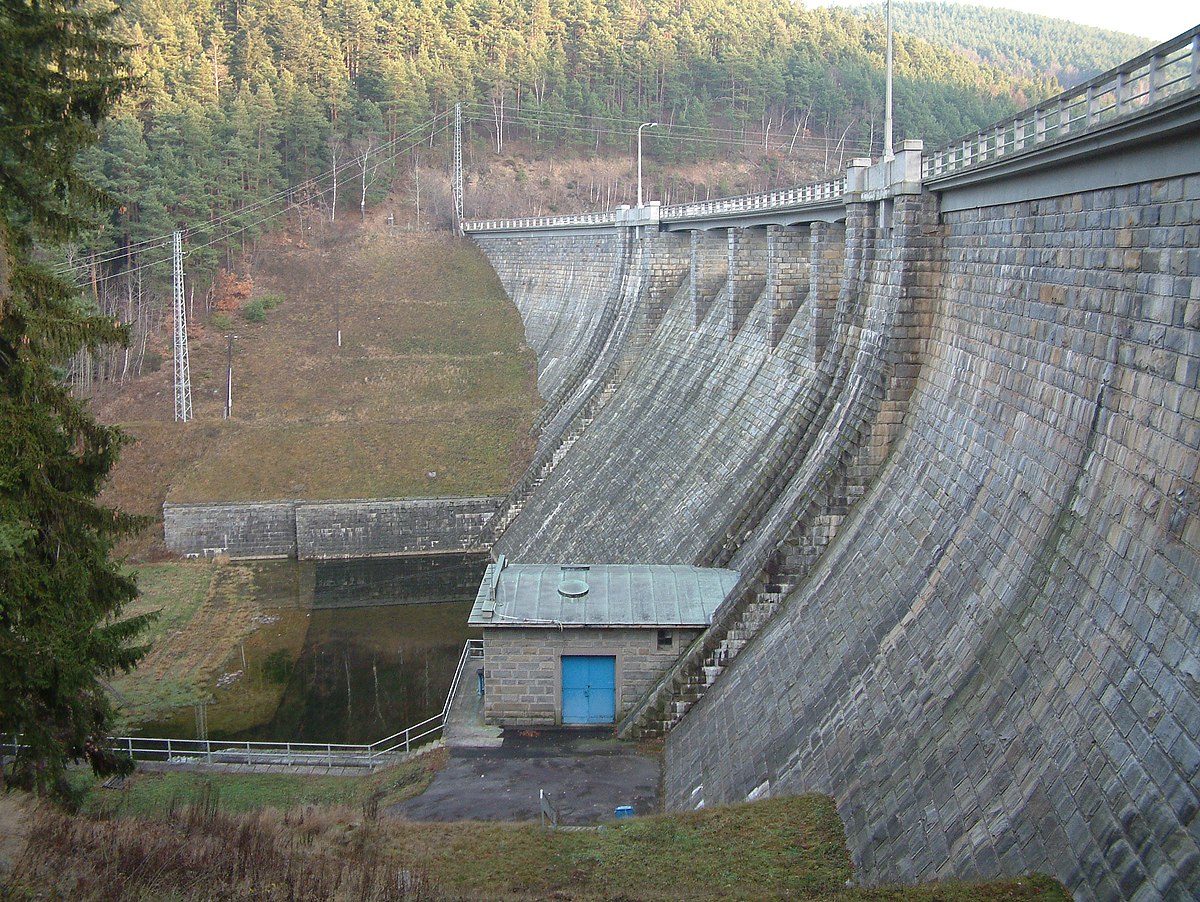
(183,373)
(457,176)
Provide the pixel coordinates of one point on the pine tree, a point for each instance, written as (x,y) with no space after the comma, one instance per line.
(60,593)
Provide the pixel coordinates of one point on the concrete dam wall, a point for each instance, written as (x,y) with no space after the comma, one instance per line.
(953,453)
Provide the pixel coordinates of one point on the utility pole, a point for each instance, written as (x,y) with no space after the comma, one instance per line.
(887,100)
(639,144)
(183,373)
(229,378)
(456,178)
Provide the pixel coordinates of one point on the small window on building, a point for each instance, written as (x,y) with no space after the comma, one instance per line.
(666,639)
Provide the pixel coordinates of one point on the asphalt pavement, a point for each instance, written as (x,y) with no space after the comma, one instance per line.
(586,776)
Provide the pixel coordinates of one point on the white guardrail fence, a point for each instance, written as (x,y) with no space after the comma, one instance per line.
(782,199)
(294,754)
(1147,81)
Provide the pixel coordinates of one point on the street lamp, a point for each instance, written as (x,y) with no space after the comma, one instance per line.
(887,101)
(639,136)
(229,378)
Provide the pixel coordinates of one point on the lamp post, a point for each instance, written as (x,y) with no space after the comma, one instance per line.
(229,378)
(639,143)
(887,100)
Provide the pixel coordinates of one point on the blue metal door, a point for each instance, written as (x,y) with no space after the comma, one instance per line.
(589,688)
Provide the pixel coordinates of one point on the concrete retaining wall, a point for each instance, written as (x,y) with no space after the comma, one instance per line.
(329,529)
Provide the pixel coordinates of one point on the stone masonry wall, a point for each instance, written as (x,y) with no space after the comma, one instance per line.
(264,529)
(747,269)
(696,425)
(788,276)
(347,529)
(994,666)
(328,529)
(561,302)
(523,673)
(708,270)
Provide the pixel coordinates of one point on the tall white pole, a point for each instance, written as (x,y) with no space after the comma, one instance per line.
(639,143)
(887,100)
(183,372)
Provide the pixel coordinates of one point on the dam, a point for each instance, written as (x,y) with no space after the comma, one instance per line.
(941,415)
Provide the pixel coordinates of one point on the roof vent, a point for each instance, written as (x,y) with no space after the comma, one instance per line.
(574,582)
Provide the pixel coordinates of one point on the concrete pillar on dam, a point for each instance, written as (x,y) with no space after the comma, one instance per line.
(708,272)
(827,259)
(747,250)
(788,277)
(668,258)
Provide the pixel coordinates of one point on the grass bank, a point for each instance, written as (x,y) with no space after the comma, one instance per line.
(210,616)
(791,848)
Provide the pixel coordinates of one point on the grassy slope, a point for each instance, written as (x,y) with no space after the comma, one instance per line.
(791,848)
(433,377)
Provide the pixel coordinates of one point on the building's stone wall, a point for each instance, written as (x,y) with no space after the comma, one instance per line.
(994,668)
(523,669)
(328,529)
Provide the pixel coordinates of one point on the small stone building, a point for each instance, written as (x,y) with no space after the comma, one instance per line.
(575,645)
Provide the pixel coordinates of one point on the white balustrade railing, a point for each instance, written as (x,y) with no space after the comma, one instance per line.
(782,199)
(608,217)
(294,754)
(1150,80)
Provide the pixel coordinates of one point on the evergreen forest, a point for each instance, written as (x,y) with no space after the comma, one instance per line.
(1023,44)
(243,111)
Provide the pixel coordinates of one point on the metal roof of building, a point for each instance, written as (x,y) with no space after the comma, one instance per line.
(605,595)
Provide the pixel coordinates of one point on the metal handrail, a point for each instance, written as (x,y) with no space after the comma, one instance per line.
(298,754)
(1147,81)
(782,199)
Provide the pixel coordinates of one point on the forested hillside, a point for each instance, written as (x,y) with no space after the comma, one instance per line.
(1023,44)
(246,109)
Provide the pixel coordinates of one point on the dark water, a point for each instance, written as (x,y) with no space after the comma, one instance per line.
(371,652)
(414,580)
